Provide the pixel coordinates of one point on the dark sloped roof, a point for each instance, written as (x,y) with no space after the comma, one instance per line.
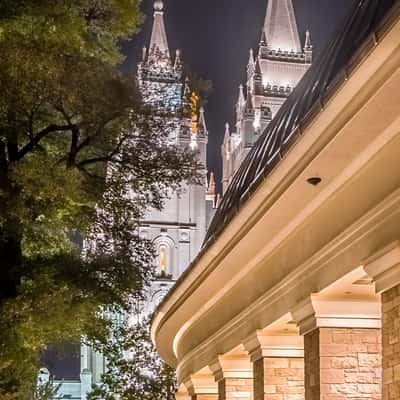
(359,32)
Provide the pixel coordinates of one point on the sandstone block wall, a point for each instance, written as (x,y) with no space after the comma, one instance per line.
(235,388)
(279,379)
(342,364)
(391,343)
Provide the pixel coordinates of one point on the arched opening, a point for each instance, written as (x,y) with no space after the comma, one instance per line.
(164,267)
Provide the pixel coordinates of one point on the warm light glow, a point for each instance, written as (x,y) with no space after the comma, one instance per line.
(194,104)
(163,258)
(193,144)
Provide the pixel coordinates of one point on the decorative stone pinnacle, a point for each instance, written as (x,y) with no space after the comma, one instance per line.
(158,5)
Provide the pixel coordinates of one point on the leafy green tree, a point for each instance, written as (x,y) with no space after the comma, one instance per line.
(78,153)
(134,369)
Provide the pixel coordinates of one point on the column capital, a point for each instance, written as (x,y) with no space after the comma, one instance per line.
(232,366)
(201,383)
(384,267)
(315,313)
(182,393)
(262,345)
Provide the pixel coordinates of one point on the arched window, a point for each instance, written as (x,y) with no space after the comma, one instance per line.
(164,260)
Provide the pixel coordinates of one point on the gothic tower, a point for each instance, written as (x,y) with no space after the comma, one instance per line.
(271,76)
(179,229)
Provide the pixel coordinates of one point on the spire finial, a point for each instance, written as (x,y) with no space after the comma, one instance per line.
(251,58)
(158,5)
(202,120)
(178,62)
(308,45)
(241,99)
(211,186)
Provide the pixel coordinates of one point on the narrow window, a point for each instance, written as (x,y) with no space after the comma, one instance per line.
(163,259)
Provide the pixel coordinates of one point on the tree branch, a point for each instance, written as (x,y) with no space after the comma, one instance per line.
(105,158)
(41,135)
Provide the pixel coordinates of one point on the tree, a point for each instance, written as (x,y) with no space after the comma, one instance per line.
(75,143)
(134,369)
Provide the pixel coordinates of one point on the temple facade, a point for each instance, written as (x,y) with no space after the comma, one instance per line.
(272,74)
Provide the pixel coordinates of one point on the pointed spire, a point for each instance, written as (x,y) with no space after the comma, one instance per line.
(308,48)
(178,61)
(263,41)
(241,99)
(280,26)
(159,42)
(202,121)
(227,142)
(307,45)
(211,185)
(251,59)
(227,135)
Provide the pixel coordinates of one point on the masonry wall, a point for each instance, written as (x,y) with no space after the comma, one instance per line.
(232,388)
(391,343)
(279,379)
(343,363)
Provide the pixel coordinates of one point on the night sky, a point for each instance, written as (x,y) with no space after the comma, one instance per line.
(215,37)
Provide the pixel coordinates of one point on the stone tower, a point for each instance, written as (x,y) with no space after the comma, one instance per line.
(179,229)
(272,74)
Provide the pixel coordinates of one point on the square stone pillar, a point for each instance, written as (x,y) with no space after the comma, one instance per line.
(384,268)
(234,376)
(278,366)
(342,348)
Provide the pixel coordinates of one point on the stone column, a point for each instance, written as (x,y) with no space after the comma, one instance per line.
(201,386)
(234,376)
(86,383)
(342,349)
(384,268)
(278,366)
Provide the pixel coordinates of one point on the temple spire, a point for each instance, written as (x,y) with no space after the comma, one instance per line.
(250,64)
(211,185)
(159,42)
(241,99)
(280,27)
(202,121)
(307,45)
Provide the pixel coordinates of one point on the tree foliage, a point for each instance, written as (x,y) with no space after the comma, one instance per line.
(78,153)
(134,369)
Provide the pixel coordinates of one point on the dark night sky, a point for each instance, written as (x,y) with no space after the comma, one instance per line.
(215,37)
